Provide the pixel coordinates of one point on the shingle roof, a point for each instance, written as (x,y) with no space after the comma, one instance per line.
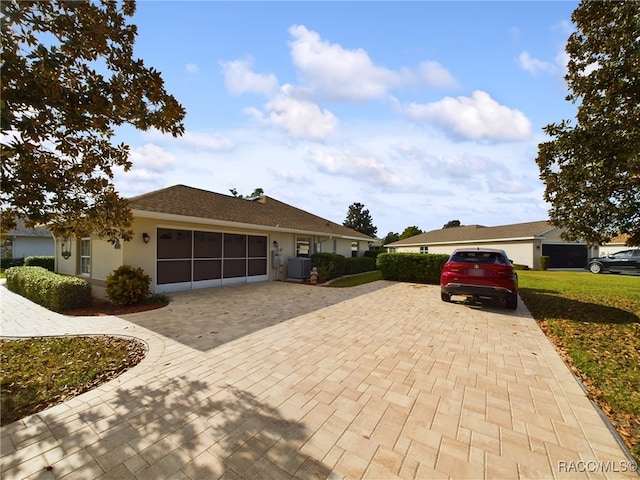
(477,232)
(262,211)
(22,231)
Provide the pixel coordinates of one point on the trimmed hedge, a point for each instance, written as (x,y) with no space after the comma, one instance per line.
(41,261)
(544,262)
(8,262)
(355,265)
(412,267)
(329,265)
(373,253)
(51,290)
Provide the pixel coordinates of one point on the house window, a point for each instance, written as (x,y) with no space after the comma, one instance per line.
(303,247)
(424,249)
(85,256)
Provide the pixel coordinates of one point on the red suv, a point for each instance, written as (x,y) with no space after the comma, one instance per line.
(480,273)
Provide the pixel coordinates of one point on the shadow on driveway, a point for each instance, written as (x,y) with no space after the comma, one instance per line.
(207,318)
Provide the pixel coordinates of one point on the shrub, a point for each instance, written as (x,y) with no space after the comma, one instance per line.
(359,265)
(329,265)
(373,253)
(544,262)
(51,290)
(127,285)
(519,266)
(40,261)
(412,267)
(9,262)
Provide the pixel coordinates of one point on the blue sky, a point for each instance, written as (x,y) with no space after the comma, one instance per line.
(424,112)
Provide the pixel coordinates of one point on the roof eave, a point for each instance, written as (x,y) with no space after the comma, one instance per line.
(449,242)
(252,226)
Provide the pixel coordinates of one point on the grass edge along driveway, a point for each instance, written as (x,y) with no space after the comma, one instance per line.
(594,323)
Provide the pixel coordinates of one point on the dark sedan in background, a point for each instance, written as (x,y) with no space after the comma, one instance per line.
(626,260)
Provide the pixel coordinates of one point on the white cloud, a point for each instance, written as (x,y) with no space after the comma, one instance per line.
(206,141)
(239,78)
(463,166)
(299,118)
(213,142)
(152,158)
(365,167)
(478,117)
(338,73)
(150,166)
(534,65)
(192,68)
(435,75)
(500,183)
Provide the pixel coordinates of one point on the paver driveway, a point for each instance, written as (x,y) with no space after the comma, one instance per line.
(279,380)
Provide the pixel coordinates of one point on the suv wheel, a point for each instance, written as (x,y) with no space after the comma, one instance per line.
(512,301)
(595,267)
(445,297)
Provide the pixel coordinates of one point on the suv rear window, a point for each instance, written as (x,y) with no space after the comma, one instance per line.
(479,257)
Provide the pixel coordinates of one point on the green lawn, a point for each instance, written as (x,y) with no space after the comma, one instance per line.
(594,321)
(38,373)
(353,280)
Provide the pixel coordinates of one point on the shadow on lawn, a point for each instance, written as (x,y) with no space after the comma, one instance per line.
(544,304)
(200,430)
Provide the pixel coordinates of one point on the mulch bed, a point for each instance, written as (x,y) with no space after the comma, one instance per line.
(102,307)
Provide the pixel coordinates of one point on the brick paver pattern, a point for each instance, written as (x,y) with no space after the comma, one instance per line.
(279,380)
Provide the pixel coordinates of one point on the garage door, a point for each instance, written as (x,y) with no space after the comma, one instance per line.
(565,256)
(188,259)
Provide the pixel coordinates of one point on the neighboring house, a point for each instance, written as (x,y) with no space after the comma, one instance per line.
(26,242)
(616,244)
(187,238)
(525,243)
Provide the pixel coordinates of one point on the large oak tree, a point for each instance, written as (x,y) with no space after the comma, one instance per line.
(592,169)
(69,77)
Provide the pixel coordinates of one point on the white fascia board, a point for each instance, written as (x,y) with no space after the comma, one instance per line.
(239,225)
(457,242)
(544,232)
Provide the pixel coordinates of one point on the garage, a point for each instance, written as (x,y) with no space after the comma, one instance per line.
(188,259)
(565,256)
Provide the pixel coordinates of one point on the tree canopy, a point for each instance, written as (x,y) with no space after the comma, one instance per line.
(410,232)
(452,224)
(69,78)
(390,238)
(257,192)
(591,170)
(359,219)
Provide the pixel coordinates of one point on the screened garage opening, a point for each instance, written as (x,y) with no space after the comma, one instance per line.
(565,256)
(188,259)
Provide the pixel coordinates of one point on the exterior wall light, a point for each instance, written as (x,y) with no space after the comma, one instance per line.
(145,237)
(65,253)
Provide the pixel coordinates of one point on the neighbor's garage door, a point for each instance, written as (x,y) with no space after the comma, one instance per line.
(565,256)
(189,259)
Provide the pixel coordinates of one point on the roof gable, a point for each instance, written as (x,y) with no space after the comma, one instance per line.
(22,231)
(262,211)
(477,232)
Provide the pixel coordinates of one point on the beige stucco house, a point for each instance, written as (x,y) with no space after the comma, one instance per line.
(525,243)
(187,238)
